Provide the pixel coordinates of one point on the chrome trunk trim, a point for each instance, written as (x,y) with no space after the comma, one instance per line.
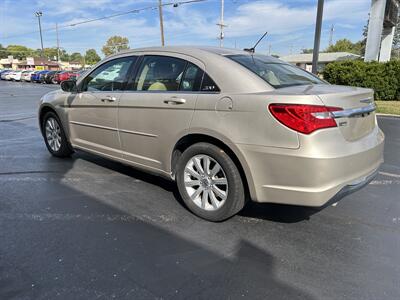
(348,113)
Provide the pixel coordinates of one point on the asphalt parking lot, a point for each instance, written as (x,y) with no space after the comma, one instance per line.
(88,228)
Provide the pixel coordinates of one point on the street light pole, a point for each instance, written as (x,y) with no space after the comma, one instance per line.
(58,45)
(221,25)
(317,37)
(161,22)
(38,15)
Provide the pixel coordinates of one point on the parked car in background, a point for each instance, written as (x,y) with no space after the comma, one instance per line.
(64,75)
(49,78)
(226,125)
(3,74)
(46,75)
(16,75)
(8,75)
(33,75)
(26,75)
(42,76)
(79,73)
(36,76)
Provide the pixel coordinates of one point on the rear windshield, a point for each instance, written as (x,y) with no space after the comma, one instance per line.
(277,74)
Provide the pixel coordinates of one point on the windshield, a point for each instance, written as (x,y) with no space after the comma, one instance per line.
(277,74)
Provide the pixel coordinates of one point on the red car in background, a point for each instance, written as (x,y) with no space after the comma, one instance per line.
(66,75)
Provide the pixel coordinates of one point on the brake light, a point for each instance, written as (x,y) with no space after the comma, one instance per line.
(304,118)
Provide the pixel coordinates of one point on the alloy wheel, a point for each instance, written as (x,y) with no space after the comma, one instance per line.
(53,134)
(206,182)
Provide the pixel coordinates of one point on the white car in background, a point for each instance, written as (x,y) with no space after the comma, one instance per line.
(26,75)
(7,76)
(16,75)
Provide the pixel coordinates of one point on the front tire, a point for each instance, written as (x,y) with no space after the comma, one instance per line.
(54,136)
(209,182)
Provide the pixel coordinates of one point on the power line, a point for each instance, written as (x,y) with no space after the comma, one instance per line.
(174,4)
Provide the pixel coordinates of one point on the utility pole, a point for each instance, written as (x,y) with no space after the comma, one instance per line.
(58,45)
(38,15)
(221,26)
(161,22)
(317,37)
(269,49)
(332,30)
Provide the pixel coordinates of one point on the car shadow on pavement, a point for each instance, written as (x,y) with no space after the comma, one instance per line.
(266,211)
(278,212)
(72,252)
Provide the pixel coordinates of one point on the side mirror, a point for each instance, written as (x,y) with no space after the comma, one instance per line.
(68,86)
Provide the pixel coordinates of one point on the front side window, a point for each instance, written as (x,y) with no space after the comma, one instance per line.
(159,73)
(110,76)
(275,73)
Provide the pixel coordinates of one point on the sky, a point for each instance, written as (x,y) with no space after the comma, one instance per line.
(290,23)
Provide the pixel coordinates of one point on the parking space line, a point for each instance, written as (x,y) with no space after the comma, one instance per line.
(390,174)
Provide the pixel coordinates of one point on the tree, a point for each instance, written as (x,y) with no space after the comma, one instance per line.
(345,45)
(50,53)
(64,56)
(306,51)
(115,44)
(91,57)
(76,57)
(18,51)
(3,53)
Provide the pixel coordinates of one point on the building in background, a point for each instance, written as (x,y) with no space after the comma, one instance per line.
(304,61)
(9,63)
(73,65)
(38,63)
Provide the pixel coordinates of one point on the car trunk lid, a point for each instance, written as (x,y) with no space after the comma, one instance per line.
(357,118)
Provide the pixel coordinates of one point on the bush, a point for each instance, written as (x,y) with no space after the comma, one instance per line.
(384,78)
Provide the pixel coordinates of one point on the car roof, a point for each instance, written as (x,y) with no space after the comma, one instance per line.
(236,79)
(196,51)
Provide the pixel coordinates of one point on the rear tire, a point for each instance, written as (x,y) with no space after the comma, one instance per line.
(209,182)
(54,136)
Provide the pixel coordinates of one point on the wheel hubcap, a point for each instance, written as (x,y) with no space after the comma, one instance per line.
(53,134)
(206,182)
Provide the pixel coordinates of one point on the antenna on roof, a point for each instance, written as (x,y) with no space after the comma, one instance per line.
(253,49)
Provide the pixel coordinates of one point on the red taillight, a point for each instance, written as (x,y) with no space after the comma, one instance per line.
(304,118)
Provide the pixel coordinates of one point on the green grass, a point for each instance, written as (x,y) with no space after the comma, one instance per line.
(388,107)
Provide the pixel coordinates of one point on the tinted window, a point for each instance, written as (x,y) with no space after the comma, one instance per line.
(192,77)
(159,73)
(208,84)
(110,76)
(277,74)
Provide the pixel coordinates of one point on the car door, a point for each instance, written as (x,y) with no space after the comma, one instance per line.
(92,111)
(157,108)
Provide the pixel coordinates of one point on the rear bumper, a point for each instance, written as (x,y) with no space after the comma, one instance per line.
(315,174)
(352,187)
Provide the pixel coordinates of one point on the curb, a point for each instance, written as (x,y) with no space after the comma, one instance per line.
(387,115)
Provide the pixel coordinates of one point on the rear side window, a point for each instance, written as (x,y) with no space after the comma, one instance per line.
(159,73)
(208,85)
(275,73)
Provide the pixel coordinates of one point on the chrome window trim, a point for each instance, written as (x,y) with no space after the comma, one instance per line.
(170,92)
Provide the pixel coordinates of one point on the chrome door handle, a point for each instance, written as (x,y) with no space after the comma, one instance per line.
(109,99)
(175,101)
